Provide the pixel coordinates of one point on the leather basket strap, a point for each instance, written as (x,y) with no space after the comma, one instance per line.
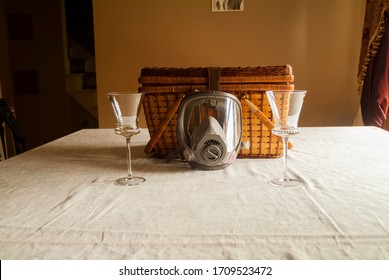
(213,78)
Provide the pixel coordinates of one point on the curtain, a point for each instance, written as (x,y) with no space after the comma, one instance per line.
(373,71)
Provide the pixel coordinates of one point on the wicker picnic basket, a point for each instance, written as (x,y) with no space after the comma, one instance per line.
(164,88)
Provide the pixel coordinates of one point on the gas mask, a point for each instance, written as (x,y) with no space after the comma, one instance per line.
(209,129)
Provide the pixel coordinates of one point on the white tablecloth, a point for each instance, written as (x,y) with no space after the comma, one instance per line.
(58,202)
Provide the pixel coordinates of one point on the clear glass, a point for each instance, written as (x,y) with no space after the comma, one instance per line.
(286,107)
(126,107)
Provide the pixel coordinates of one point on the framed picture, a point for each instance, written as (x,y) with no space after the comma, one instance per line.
(227,5)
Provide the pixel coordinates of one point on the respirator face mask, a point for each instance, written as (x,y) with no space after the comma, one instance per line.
(209,129)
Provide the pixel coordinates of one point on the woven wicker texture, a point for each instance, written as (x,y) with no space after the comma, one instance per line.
(164,86)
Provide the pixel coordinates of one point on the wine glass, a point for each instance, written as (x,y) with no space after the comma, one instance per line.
(126,106)
(286,107)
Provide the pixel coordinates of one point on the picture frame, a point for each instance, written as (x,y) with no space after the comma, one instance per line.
(227,5)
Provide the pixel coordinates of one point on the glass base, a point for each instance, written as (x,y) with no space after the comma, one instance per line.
(127,181)
(290,182)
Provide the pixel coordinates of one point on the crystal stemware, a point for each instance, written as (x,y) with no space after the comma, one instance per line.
(126,107)
(286,107)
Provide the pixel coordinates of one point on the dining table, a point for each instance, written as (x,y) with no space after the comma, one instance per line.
(59,201)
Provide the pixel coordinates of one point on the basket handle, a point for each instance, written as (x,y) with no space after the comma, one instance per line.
(261,116)
(163,124)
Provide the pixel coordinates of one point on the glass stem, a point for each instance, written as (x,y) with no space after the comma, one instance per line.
(285,141)
(129,167)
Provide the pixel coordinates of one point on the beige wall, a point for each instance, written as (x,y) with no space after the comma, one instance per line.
(319,38)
